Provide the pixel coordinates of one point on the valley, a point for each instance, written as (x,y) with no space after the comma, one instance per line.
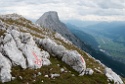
(105,41)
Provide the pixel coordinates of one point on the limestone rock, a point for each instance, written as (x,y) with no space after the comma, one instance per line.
(112,76)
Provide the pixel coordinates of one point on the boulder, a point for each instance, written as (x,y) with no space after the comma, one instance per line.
(54,75)
(112,76)
(32,53)
(5,69)
(75,60)
(13,52)
(89,71)
(19,49)
(70,57)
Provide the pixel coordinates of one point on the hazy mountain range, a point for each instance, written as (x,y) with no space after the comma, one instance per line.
(108,37)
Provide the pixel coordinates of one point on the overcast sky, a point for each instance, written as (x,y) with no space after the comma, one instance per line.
(67,9)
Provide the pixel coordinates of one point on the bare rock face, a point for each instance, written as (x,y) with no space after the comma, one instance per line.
(70,57)
(5,66)
(112,76)
(29,49)
(51,20)
(19,49)
(12,51)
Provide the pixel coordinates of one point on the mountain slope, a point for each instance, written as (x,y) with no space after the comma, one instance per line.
(56,26)
(110,37)
(86,38)
(51,20)
(106,37)
(23,36)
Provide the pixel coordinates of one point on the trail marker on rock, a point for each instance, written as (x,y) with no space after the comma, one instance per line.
(37,61)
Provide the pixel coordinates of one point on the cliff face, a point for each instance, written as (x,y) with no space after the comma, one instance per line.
(25,46)
(51,20)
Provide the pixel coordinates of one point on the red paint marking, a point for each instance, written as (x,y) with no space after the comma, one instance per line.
(35,55)
(82,59)
(37,61)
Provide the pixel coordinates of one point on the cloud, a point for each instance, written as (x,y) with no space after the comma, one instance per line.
(67,9)
(117,4)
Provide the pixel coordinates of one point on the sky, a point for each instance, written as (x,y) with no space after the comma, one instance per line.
(88,10)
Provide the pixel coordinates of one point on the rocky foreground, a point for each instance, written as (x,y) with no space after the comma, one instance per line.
(29,46)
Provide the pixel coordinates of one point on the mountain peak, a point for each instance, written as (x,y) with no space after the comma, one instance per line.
(50,16)
(53,14)
(51,21)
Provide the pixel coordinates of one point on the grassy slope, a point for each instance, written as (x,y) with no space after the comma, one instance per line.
(65,78)
(116,50)
(112,47)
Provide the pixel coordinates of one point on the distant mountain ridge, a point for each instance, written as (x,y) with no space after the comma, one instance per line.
(86,38)
(111,37)
(114,30)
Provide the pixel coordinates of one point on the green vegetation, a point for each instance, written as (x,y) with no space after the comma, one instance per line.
(2,32)
(110,41)
(28,25)
(114,49)
(65,77)
(89,61)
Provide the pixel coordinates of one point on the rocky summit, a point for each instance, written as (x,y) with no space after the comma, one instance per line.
(51,20)
(34,53)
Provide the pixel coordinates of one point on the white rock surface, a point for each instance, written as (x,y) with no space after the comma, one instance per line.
(39,73)
(52,47)
(46,76)
(70,57)
(54,75)
(75,60)
(21,77)
(32,53)
(97,70)
(18,49)
(112,76)
(13,52)
(45,54)
(59,36)
(13,78)
(89,71)
(62,69)
(5,69)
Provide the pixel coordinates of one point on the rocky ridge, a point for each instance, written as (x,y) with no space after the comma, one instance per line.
(19,41)
(51,20)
